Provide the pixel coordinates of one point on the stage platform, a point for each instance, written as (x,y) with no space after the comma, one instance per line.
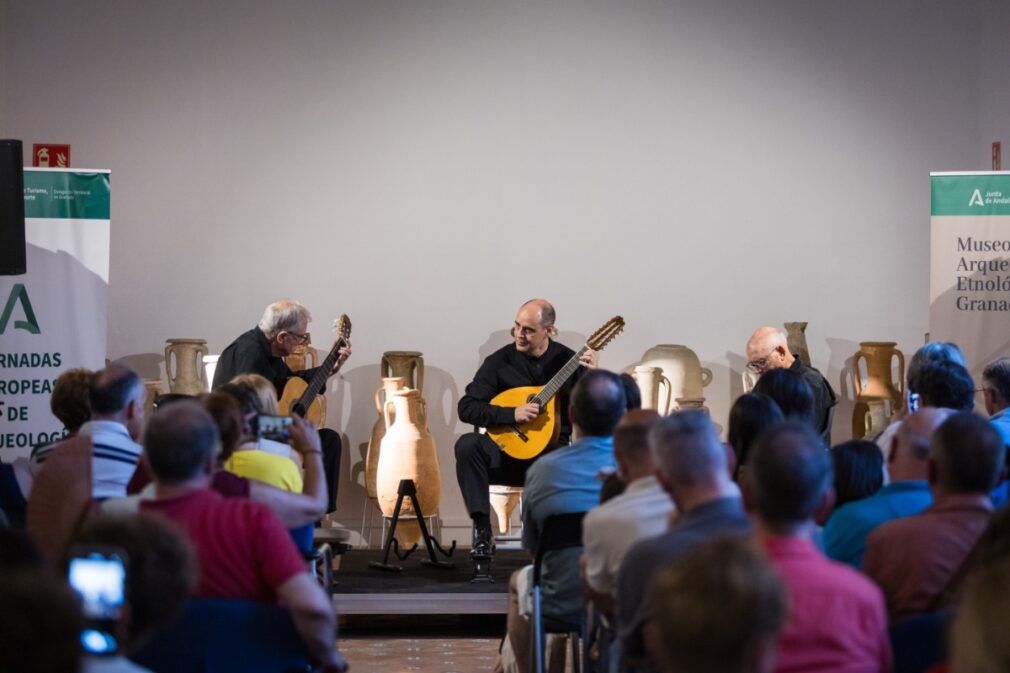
(421,589)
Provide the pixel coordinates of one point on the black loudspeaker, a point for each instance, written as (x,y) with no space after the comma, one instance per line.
(12,209)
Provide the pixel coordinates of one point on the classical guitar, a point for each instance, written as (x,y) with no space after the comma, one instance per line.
(526,440)
(303,397)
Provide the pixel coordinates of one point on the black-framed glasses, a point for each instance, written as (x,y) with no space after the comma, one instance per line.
(300,338)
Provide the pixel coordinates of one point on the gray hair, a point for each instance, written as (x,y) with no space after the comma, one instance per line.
(932,353)
(686,448)
(282,315)
(179,440)
(997,375)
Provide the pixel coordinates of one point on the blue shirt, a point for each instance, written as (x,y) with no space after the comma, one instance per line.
(1001,422)
(562,482)
(848,526)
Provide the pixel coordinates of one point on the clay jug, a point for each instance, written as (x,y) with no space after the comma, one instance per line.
(389,386)
(408,364)
(303,356)
(681,366)
(188,376)
(407,451)
(875,418)
(651,382)
(796,338)
(878,384)
(153,388)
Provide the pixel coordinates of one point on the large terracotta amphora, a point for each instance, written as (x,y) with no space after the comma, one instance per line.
(389,385)
(682,367)
(796,339)
(408,364)
(878,385)
(652,383)
(407,451)
(187,376)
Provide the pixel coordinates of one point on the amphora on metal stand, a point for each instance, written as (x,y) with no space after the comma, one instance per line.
(407,451)
(878,386)
(796,339)
(389,385)
(187,376)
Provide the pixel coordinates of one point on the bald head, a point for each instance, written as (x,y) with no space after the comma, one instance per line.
(540,310)
(914,435)
(767,349)
(534,327)
(180,442)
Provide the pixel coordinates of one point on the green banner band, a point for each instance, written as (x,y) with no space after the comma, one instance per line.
(968,194)
(66,195)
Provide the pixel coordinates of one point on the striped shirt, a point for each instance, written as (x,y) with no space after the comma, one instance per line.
(114,459)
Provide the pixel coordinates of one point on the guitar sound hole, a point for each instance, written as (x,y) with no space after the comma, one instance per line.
(298,409)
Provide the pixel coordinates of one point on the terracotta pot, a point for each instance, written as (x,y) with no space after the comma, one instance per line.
(682,368)
(389,386)
(504,500)
(408,364)
(796,338)
(188,376)
(153,388)
(652,383)
(407,451)
(303,356)
(878,384)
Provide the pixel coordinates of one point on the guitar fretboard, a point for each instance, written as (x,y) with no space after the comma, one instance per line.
(319,378)
(558,380)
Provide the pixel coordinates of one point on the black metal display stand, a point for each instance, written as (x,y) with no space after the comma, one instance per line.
(408,489)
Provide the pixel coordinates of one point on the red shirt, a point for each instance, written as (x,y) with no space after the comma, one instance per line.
(243,550)
(837,621)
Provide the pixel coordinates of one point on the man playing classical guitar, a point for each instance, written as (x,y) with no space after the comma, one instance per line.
(261,350)
(531,360)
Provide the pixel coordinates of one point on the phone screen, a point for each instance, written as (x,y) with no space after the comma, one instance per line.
(100,579)
(273,427)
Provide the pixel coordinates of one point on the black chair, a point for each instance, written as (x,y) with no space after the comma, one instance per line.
(561,531)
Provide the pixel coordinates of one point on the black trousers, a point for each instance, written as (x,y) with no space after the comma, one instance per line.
(332,448)
(480,463)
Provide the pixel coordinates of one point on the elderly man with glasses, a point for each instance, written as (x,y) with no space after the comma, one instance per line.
(261,350)
(767,349)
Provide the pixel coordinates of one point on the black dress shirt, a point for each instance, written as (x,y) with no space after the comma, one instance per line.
(250,354)
(824,397)
(508,368)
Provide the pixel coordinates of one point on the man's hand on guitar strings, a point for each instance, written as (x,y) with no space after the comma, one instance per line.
(342,356)
(527,412)
(590,359)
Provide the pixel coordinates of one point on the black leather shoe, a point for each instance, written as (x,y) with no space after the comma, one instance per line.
(483,541)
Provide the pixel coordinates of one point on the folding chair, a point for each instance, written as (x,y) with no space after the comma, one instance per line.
(561,531)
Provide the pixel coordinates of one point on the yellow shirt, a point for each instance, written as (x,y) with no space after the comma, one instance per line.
(266,467)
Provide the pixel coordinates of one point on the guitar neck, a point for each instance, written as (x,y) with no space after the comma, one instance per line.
(558,380)
(322,374)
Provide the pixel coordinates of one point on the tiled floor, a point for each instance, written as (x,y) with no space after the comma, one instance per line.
(420,655)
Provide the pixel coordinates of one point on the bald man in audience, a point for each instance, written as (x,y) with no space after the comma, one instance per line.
(920,561)
(837,620)
(768,349)
(641,511)
(691,467)
(243,550)
(845,532)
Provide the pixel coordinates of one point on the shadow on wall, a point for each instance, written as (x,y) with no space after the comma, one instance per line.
(840,378)
(147,366)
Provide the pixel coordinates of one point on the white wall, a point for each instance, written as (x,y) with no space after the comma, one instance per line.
(699,167)
(994,81)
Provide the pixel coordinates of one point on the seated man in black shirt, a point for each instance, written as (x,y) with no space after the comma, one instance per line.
(261,350)
(531,360)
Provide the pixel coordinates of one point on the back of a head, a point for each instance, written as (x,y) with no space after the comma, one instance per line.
(69,401)
(915,434)
(18,551)
(859,470)
(598,402)
(969,454)
(790,472)
(717,607)
(40,624)
(631,391)
(179,442)
(932,353)
(686,449)
(790,392)
(631,437)
(228,416)
(285,314)
(997,376)
(266,393)
(750,416)
(946,384)
(112,388)
(160,567)
(978,637)
(246,397)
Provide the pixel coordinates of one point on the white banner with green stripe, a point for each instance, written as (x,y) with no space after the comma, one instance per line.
(969,280)
(53,318)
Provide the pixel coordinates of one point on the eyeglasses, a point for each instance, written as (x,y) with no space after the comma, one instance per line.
(300,338)
(758,365)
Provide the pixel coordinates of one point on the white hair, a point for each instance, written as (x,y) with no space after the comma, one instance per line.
(283,315)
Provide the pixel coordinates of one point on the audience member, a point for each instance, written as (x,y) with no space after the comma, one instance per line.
(561,482)
(946,385)
(750,415)
(243,550)
(919,561)
(719,609)
(69,404)
(631,391)
(978,640)
(996,397)
(160,576)
(858,468)
(908,493)
(792,394)
(691,467)
(116,396)
(837,619)
(767,349)
(40,624)
(266,394)
(641,511)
